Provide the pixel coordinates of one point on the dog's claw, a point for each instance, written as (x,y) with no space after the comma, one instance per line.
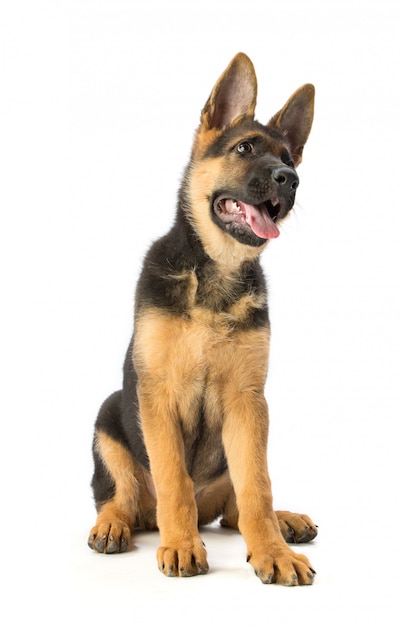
(182,562)
(202,569)
(266,580)
(100,543)
(296,528)
(109,538)
(282,567)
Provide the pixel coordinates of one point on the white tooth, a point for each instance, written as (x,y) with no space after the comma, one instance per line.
(274,201)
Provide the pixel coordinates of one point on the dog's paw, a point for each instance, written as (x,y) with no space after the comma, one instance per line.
(296,528)
(182,561)
(282,566)
(110,537)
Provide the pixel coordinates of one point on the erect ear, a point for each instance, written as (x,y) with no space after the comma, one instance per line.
(233,96)
(295,119)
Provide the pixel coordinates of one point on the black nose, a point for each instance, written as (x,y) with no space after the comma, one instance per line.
(286,178)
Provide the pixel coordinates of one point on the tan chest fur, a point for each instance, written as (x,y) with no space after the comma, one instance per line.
(182,362)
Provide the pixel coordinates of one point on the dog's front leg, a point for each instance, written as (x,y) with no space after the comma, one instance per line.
(167,391)
(245,440)
(182,552)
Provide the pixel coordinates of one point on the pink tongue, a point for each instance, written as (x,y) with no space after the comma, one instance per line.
(260,221)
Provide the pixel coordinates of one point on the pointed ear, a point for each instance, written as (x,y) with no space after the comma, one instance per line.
(295,119)
(233,96)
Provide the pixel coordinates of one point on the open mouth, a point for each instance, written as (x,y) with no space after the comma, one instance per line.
(260,218)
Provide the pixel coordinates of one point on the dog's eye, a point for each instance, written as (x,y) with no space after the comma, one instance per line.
(245,147)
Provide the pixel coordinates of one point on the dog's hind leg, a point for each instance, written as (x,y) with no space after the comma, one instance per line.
(217,500)
(296,527)
(122,495)
(116,491)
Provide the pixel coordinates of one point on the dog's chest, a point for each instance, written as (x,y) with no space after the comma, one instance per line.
(192,362)
(220,301)
(194,365)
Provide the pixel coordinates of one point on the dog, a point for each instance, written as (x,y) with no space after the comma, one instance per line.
(184,442)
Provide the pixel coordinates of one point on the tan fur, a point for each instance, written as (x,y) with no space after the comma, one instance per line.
(227,252)
(174,359)
(240,102)
(175,356)
(134,501)
(201,366)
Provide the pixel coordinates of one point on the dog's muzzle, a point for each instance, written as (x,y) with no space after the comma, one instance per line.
(286,178)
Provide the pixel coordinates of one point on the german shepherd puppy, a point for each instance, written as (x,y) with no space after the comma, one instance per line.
(184,442)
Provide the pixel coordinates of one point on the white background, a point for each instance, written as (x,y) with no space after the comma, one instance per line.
(99,101)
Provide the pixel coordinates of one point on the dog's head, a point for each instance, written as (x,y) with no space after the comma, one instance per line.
(242,179)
